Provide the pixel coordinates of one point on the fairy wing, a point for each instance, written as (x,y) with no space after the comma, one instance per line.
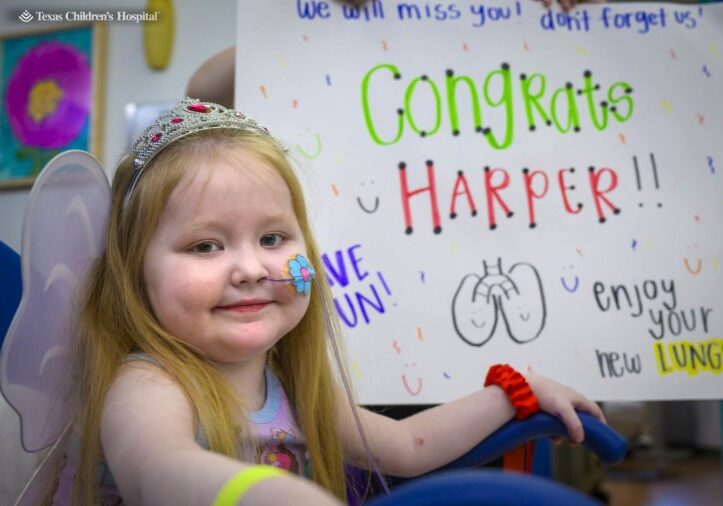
(63,232)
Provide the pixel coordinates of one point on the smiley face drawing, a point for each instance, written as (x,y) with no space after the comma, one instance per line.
(369,209)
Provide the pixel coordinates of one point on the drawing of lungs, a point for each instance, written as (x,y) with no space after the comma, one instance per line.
(523,309)
(474,312)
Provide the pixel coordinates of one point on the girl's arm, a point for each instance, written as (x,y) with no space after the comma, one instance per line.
(434,437)
(147,435)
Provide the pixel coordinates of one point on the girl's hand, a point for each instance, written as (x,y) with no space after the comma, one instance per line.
(562,401)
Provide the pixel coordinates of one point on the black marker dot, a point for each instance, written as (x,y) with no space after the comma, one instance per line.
(533,225)
(455,132)
(597,86)
(408,231)
(460,173)
(616,211)
(532,128)
(486,169)
(579,205)
(449,72)
(397,76)
(505,66)
(568,85)
(402,165)
(640,204)
(628,90)
(660,204)
(400,111)
(424,78)
(493,226)
(478,129)
(602,220)
(613,108)
(423,133)
(510,214)
(523,77)
(453,216)
(591,169)
(429,163)
(525,170)
(572,187)
(486,130)
(603,104)
(474,212)
(548,122)
(437,230)
(576,129)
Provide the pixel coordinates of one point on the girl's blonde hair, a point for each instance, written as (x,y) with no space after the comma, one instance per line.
(116,319)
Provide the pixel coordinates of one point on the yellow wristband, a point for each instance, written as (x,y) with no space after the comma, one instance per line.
(235,488)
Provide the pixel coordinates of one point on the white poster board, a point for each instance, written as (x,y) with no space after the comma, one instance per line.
(494,182)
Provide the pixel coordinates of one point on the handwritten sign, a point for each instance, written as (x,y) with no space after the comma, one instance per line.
(496,182)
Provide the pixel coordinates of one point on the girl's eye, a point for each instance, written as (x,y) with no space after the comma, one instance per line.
(206,247)
(271,240)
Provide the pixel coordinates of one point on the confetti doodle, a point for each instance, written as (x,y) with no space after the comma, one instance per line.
(465,46)
(714,51)
(421,276)
(263,91)
(579,252)
(384,45)
(701,118)
(446,375)
(665,104)
(356,370)
(622,138)
(634,245)
(581,51)
(527,48)
(710,164)
(395,345)
(696,218)
(328,79)
(295,104)
(335,190)
(706,71)
(306,39)
(673,55)
(419,334)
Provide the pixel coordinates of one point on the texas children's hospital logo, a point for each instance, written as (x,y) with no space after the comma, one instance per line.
(108,16)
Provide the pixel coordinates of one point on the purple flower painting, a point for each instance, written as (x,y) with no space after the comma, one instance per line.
(47,99)
(48,95)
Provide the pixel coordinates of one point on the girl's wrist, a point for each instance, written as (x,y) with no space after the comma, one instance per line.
(516,388)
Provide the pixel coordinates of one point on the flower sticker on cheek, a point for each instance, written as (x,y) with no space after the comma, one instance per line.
(300,274)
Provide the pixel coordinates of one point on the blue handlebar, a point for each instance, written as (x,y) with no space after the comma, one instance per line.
(607,444)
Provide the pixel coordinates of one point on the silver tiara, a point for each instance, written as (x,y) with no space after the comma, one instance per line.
(188,116)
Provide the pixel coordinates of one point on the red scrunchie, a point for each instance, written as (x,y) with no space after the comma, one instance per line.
(515,386)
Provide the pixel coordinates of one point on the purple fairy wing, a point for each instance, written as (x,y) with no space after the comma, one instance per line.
(63,232)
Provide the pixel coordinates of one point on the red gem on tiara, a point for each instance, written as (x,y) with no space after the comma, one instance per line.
(176,120)
(198,108)
(156,137)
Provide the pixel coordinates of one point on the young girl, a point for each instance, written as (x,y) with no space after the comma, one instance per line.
(203,345)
